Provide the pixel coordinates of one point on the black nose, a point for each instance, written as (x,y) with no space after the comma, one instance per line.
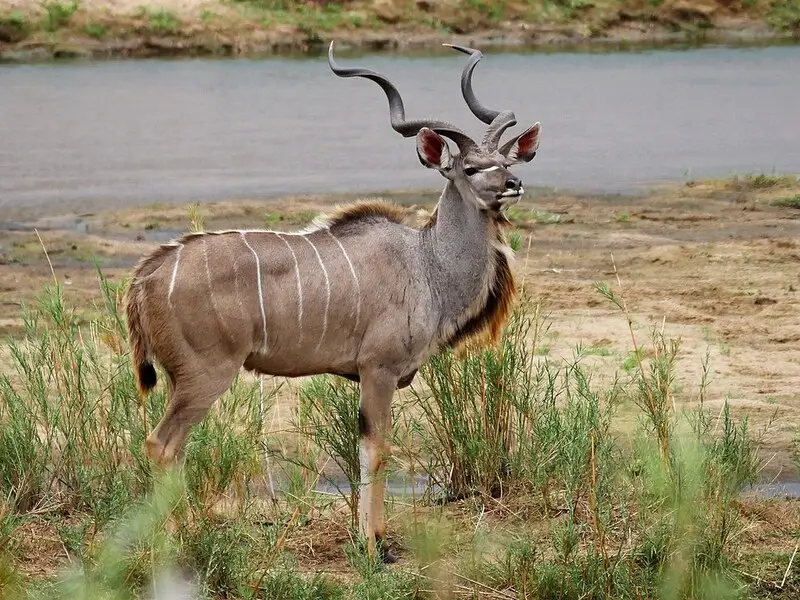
(514,184)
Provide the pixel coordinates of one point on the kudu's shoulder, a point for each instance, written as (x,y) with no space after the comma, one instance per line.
(366,212)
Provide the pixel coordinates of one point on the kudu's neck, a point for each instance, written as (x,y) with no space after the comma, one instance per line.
(461,241)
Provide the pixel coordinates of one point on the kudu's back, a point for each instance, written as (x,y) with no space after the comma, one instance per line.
(281,303)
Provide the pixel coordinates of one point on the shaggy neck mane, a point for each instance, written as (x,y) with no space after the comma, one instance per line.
(366,212)
(492,306)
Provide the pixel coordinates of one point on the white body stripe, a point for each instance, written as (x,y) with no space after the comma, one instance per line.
(316,225)
(208,271)
(327,290)
(355,278)
(174,274)
(211,290)
(303,232)
(260,288)
(299,284)
(242,312)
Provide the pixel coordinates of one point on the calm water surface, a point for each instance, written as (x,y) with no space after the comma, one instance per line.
(83,136)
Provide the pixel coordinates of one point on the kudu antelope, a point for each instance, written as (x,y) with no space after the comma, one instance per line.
(361,294)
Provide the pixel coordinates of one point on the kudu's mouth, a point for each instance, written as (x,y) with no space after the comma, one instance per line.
(510,194)
(507,199)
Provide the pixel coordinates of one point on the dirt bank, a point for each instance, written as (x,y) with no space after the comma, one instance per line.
(31,30)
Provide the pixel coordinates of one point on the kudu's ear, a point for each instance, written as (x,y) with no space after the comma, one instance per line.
(433,151)
(523,147)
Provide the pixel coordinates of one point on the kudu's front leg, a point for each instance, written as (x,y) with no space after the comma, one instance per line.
(375,430)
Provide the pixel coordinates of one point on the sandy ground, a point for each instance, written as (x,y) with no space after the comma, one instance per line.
(714,264)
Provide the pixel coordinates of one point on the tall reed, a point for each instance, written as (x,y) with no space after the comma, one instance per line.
(328,415)
(71,429)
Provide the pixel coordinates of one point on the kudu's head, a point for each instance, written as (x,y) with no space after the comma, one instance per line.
(480,172)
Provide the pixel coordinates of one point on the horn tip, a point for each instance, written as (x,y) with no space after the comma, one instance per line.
(331,62)
(464,49)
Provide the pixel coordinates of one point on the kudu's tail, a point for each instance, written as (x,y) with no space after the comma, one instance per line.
(143,370)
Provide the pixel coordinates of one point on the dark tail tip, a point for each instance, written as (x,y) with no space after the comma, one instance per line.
(147,376)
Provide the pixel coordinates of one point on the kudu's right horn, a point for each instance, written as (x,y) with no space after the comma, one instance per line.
(498,121)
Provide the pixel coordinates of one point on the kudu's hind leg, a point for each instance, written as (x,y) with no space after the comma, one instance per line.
(375,428)
(190,398)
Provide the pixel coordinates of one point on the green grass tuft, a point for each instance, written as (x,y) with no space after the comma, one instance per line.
(762,181)
(784,15)
(15,27)
(788,201)
(161,21)
(96,31)
(59,14)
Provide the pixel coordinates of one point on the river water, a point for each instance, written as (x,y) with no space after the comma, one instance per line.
(86,135)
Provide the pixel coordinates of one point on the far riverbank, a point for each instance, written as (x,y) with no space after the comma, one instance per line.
(61,29)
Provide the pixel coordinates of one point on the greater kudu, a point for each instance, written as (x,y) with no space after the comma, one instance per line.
(361,294)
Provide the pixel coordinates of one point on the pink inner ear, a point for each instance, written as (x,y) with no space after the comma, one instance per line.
(432,146)
(527,143)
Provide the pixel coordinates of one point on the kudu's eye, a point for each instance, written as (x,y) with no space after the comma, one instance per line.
(470,171)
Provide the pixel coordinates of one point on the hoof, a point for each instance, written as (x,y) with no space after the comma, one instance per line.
(386,556)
